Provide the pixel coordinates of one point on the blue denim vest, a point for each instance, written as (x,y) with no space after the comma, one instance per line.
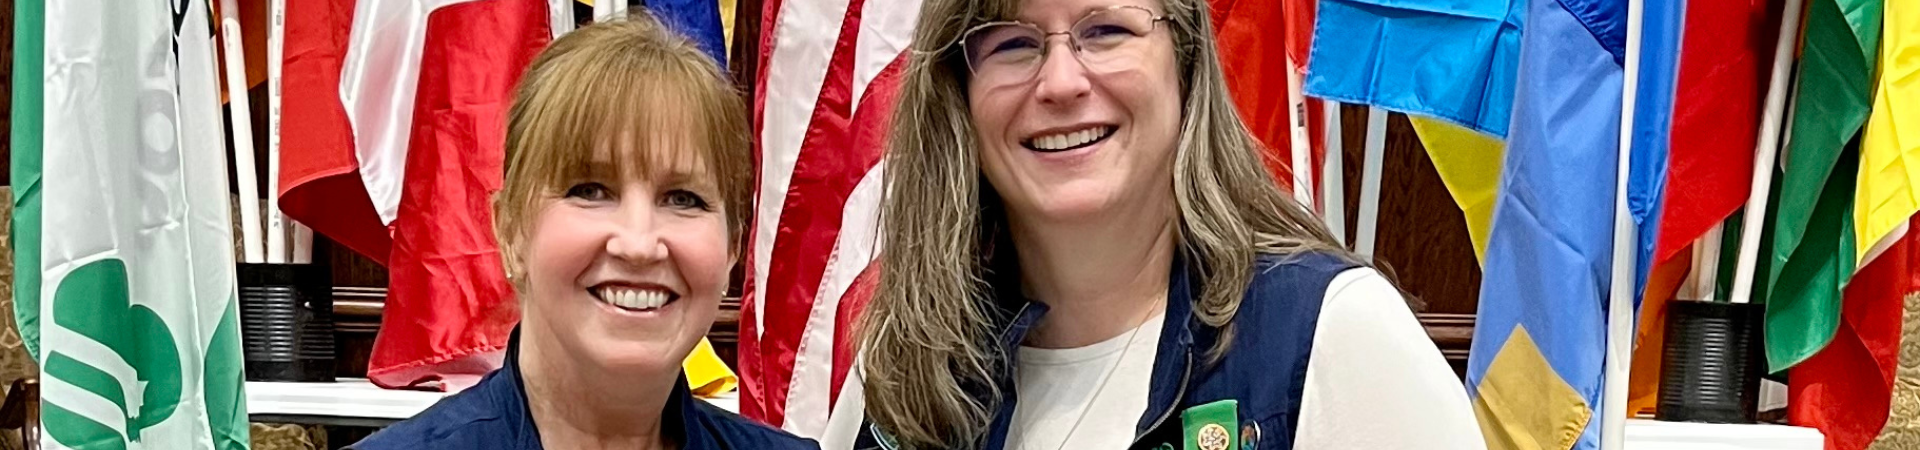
(1264,370)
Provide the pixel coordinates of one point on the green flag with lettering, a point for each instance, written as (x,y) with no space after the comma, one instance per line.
(124,249)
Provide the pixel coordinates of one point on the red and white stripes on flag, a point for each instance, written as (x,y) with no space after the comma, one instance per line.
(393,134)
(829,73)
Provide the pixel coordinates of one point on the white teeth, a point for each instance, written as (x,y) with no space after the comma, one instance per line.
(1068,140)
(633,298)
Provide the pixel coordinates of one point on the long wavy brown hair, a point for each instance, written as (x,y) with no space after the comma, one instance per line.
(929,335)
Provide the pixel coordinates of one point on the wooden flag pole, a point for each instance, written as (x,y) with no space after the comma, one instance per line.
(1619,354)
(1369,220)
(1765,152)
(244,167)
(1333,180)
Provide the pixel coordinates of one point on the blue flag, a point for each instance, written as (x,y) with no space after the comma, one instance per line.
(699,20)
(1451,59)
(1661,28)
(1537,365)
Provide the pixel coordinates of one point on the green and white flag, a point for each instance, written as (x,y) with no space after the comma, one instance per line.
(124,253)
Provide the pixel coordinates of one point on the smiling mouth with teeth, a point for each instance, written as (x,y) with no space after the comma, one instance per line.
(633,299)
(1068,141)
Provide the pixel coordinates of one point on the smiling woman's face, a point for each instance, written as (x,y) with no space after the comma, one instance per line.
(626,266)
(1074,141)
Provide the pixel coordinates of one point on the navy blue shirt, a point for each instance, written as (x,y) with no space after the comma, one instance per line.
(493,415)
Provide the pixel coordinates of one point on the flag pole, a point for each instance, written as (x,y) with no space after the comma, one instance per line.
(1620,320)
(1704,277)
(1369,220)
(276,222)
(1301,147)
(244,168)
(1334,180)
(560,17)
(1765,152)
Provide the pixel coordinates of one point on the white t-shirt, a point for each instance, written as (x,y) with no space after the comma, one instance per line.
(1103,387)
(1374,381)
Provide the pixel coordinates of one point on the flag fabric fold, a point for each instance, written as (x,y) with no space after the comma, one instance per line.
(126,288)
(1850,387)
(1728,53)
(1449,65)
(1535,367)
(1890,145)
(829,71)
(392,146)
(1244,33)
(1845,390)
(1812,248)
(1469,165)
(1388,53)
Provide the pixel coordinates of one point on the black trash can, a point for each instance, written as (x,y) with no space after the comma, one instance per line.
(1711,363)
(286,322)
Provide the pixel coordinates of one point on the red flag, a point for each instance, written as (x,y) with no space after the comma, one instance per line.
(319,176)
(411,186)
(1728,52)
(1244,32)
(828,74)
(1846,389)
(1727,58)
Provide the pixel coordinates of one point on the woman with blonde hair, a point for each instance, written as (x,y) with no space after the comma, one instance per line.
(625,193)
(1083,251)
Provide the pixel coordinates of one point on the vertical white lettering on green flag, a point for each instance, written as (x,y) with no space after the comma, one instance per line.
(135,325)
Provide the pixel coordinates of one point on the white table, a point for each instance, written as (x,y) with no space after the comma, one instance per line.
(1655,435)
(356,402)
(348,402)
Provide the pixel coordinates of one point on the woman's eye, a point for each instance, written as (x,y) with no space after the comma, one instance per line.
(1097,31)
(685,199)
(1014,45)
(590,191)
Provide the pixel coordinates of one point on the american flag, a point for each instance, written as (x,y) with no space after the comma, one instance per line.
(828,74)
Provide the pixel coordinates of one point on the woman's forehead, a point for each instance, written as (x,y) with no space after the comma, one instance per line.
(655,153)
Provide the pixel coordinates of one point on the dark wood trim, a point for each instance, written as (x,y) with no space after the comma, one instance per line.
(1453,333)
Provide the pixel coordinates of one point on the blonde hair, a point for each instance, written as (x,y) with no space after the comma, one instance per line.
(928,334)
(629,78)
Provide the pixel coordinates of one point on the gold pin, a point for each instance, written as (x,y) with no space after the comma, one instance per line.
(1214,437)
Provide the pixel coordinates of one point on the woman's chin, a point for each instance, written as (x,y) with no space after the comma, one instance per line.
(637,357)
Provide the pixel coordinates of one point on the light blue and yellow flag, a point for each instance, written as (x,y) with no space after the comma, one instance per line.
(1536,370)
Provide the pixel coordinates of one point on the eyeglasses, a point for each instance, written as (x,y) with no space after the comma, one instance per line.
(1106,40)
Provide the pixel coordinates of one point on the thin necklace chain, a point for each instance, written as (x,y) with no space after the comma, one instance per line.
(1102,387)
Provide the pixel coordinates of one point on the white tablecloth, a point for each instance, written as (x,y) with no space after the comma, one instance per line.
(358,399)
(1656,435)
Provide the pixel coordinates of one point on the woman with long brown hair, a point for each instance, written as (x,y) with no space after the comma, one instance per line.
(1083,251)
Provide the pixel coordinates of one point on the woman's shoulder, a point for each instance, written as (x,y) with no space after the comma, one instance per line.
(734,431)
(469,417)
(1297,283)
